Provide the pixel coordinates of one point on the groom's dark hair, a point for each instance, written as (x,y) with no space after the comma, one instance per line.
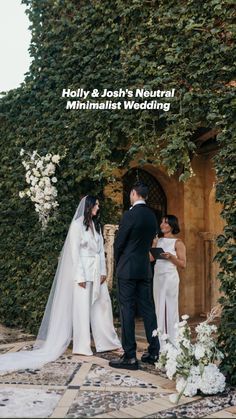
(141,189)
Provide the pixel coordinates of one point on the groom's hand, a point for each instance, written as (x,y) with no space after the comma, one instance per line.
(82,284)
(103,278)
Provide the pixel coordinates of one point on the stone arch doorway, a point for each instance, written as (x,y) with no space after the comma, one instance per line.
(156,199)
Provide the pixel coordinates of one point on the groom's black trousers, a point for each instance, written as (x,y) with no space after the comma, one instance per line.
(130,293)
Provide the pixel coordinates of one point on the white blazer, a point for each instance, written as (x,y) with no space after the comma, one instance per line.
(88,255)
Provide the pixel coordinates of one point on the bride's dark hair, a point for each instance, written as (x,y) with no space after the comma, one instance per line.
(90,202)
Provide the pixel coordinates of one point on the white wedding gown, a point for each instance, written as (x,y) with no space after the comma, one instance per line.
(68,310)
(166,291)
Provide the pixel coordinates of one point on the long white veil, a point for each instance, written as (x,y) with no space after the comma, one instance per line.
(55,331)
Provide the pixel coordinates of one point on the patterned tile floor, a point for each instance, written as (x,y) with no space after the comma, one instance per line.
(81,387)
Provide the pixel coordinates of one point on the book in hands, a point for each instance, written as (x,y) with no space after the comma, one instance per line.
(156,252)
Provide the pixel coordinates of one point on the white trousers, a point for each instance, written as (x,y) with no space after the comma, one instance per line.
(98,316)
(166,296)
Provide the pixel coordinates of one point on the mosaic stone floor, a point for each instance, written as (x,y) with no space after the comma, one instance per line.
(99,376)
(27,403)
(104,401)
(195,409)
(55,373)
(82,387)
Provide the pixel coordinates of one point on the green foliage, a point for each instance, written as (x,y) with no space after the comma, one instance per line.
(226,193)
(186,45)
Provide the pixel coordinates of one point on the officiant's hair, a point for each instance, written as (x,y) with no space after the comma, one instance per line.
(141,189)
(90,202)
(173,222)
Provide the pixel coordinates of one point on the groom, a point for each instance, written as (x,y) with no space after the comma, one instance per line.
(133,241)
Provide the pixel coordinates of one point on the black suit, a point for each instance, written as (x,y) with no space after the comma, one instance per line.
(133,241)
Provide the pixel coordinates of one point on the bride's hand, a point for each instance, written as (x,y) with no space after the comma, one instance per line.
(167,255)
(103,278)
(82,284)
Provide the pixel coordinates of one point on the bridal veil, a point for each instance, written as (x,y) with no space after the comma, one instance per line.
(55,331)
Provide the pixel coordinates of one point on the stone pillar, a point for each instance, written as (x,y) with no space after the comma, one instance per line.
(211,293)
(109,237)
(192,222)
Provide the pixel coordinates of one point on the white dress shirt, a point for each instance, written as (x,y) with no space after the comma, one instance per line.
(139,201)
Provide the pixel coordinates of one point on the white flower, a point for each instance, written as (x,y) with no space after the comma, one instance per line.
(33,182)
(47,206)
(183,323)
(45,172)
(190,386)
(51,168)
(204,329)
(39,195)
(48,191)
(212,380)
(36,173)
(46,180)
(167,347)
(192,365)
(54,191)
(22,152)
(171,366)
(48,157)
(56,158)
(164,336)
(41,201)
(185,317)
(33,155)
(173,398)
(39,176)
(39,164)
(199,351)
(186,343)
(154,333)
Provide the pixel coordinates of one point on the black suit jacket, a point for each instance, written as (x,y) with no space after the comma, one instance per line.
(132,243)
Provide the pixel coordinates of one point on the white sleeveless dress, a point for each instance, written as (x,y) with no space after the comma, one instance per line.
(166,291)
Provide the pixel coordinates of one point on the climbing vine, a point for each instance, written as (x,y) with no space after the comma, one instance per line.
(185,45)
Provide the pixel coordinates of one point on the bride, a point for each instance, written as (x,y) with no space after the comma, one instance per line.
(78,298)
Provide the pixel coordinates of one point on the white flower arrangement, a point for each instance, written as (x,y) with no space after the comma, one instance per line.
(193,365)
(40,176)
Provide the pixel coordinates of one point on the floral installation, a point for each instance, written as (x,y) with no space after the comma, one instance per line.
(195,366)
(40,176)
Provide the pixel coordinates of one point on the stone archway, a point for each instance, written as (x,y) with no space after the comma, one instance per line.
(157,201)
(156,198)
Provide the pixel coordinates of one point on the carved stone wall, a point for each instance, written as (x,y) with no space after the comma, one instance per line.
(109,237)
(193,202)
(211,284)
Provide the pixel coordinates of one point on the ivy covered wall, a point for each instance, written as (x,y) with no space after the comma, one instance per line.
(186,45)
